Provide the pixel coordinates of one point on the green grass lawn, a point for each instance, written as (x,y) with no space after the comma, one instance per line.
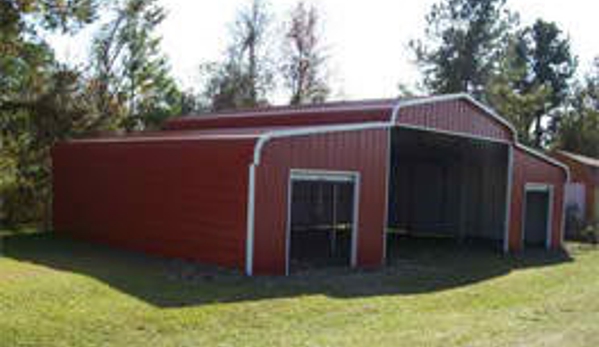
(56,292)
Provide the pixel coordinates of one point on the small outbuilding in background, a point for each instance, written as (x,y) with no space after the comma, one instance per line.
(582,192)
(268,190)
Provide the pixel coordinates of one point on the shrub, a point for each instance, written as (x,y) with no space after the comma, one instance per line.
(591,234)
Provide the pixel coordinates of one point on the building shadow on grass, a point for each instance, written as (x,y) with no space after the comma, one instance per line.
(414,266)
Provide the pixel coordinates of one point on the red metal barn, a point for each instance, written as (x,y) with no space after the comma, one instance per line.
(267,190)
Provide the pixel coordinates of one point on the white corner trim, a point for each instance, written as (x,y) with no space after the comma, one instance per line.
(249,245)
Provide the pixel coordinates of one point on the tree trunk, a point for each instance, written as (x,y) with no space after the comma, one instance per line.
(538,132)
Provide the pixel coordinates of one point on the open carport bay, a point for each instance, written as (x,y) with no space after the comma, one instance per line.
(447,186)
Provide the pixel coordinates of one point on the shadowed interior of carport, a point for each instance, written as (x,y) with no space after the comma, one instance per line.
(447,186)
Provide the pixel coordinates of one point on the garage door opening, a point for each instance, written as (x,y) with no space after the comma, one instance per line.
(322,222)
(537,212)
(446,186)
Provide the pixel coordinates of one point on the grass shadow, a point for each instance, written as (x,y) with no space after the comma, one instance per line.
(414,266)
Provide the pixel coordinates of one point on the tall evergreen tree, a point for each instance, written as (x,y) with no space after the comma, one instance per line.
(463,40)
(513,99)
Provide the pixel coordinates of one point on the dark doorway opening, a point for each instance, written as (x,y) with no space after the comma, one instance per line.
(537,213)
(448,186)
(322,222)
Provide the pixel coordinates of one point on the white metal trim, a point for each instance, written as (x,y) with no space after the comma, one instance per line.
(322,175)
(538,187)
(333,176)
(249,245)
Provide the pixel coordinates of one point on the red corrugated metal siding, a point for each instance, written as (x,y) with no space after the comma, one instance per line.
(459,116)
(280,119)
(179,198)
(362,151)
(531,169)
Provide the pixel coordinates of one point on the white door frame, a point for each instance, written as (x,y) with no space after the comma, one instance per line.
(352,177)
(544,188)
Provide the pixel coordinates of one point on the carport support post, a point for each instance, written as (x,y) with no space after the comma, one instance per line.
(508,199)
(333,232)
(463,192)
(249,250)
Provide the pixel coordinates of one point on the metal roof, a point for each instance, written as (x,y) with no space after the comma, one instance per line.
(339,106)
(594,162)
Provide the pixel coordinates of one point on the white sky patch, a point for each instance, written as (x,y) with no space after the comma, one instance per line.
(366,40)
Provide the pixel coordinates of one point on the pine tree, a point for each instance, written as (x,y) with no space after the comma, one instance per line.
(549,63)
(463,40)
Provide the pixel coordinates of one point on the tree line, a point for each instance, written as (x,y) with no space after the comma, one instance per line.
(527,73)
(126,83)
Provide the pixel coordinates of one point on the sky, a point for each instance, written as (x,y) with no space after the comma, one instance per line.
(365,40)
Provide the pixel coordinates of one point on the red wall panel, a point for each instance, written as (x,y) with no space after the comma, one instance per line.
(362,151)
(531,169)
(179,198)
(459,116)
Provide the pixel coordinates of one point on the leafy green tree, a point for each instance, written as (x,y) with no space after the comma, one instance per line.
(579,127)
(546,55)
(463,40)
(513,99)
(244,77)
(36,107)
(132,77)
(304,60)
